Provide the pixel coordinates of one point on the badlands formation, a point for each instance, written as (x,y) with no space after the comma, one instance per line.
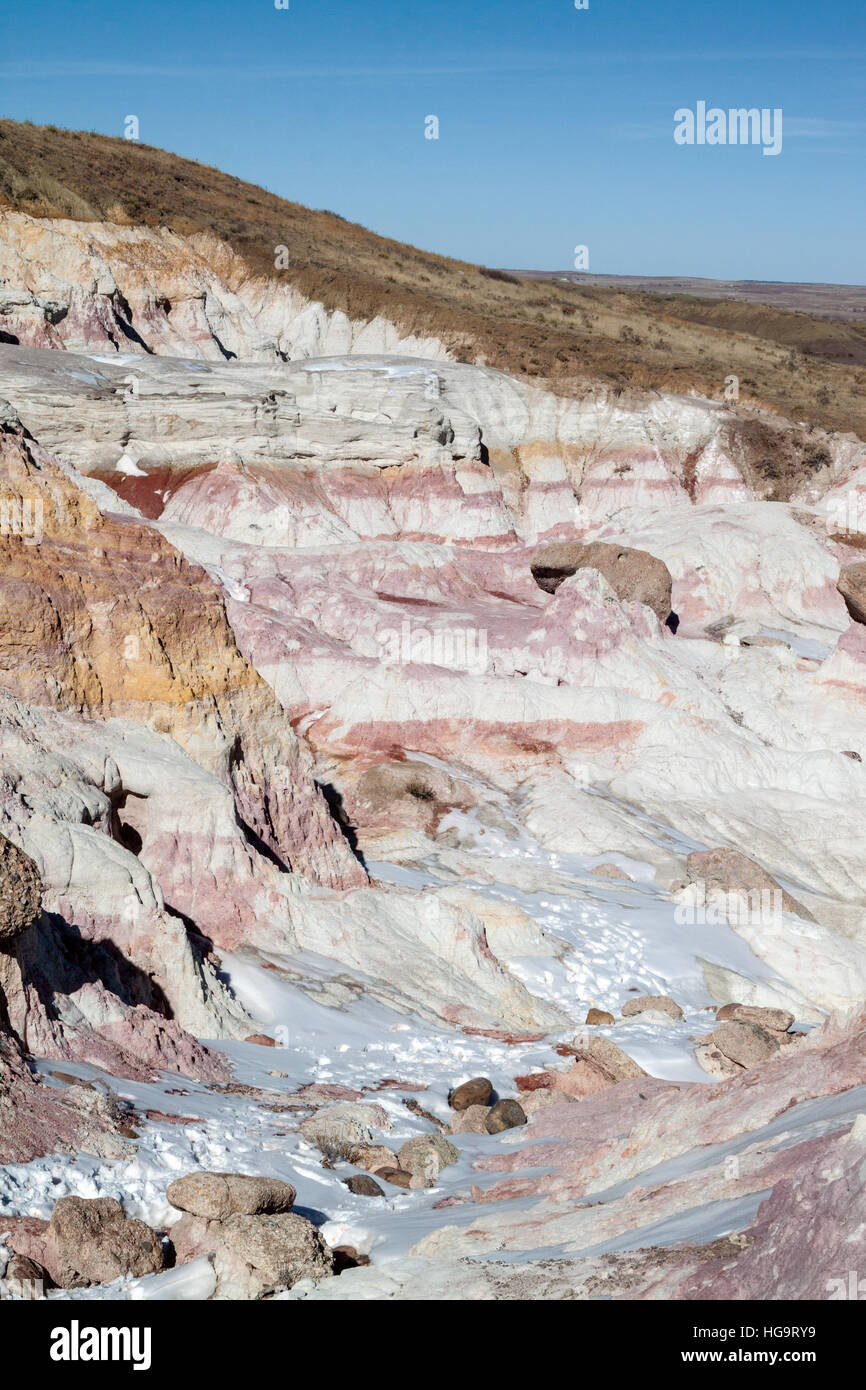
(372,723)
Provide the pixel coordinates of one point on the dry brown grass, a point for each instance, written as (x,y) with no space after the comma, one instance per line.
(571,335)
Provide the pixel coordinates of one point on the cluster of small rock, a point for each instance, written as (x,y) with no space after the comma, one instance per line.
(344,1131)
(746,1034)
(478,1113)
(595,1063)
(655,1008)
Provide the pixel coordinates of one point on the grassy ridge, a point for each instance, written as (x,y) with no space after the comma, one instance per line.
(797,364)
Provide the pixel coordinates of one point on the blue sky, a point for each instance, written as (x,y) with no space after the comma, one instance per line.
(556,125)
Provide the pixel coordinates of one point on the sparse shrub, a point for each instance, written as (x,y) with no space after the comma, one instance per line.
(767,467)
(628,335)
(498,275)
(819,459)
(419,791)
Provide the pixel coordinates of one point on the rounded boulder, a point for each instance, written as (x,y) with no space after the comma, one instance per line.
(217,1196)
(505,1114)
(478,1091)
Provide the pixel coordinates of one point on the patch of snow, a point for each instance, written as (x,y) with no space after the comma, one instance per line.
(127,465)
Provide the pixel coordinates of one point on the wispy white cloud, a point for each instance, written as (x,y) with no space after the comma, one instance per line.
(506,62)
(238,72)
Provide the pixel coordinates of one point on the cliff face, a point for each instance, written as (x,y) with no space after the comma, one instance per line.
(231,584)
(101,620)
(171,807)
(99,286)
(117,623)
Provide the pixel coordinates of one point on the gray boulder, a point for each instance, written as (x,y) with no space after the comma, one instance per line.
(776,1020)
(92,1241)
(746,1043)
(730,871)
(363,1185)
(425,1156)
(634,575)
(256,1256)
(217,1196)
(337,1129)
(505,1114)
(657,1003)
